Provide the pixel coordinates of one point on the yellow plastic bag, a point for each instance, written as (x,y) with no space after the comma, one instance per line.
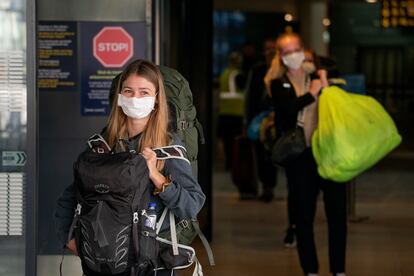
(354,132)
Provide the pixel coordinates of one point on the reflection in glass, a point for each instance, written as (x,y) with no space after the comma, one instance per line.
(13,131)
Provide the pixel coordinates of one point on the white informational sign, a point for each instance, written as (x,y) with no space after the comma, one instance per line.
(13,158)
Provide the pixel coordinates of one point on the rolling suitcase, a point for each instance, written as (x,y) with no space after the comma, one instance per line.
(244,170)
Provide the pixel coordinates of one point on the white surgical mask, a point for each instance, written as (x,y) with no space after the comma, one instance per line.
(308,67)
(294,60)
(137,108)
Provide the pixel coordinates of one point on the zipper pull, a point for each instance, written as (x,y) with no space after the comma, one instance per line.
(135,217)
(78,209)
(144,213)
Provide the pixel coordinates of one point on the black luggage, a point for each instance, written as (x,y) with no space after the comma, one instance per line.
(244,171)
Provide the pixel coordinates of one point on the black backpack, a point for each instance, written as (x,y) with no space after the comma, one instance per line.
(113,192)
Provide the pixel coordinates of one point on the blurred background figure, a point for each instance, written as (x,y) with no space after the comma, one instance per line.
(248,51)
(258,101)
(231,105)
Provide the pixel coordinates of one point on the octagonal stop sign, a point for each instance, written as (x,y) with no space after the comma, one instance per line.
(113,46)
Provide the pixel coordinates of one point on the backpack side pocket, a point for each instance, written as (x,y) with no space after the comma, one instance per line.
(104,239)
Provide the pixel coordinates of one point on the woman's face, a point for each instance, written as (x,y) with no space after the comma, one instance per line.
(137,99)
(290,45)
(139,87)
(291,52)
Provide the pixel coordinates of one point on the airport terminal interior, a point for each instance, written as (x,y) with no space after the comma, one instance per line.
(57,61)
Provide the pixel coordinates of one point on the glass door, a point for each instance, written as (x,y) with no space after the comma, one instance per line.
(14,145)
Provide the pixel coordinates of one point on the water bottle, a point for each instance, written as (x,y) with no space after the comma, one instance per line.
(151,219)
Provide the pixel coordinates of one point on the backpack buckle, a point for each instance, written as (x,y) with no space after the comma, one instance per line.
(184,223)
(183,125)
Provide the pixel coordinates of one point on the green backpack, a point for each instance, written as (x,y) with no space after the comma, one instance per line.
(183,113)
(183,121)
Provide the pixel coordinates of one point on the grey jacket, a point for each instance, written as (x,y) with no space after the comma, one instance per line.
(183,197)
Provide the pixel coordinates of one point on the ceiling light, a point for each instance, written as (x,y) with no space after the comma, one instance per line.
(326,22)
(288,17)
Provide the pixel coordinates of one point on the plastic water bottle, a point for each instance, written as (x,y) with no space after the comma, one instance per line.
(151,219)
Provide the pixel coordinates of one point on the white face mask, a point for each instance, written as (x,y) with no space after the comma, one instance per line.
(136,108)
(294,60)
(308,67)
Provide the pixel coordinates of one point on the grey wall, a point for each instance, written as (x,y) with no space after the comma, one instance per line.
(311,14)
(62,129)
(92,10)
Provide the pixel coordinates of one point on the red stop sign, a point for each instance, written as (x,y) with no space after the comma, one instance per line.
(113,46)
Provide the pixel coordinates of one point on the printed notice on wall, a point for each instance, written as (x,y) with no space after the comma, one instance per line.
(57,54)
(106,48)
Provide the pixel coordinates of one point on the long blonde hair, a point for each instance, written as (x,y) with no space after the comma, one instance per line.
(156,132)
(277,69)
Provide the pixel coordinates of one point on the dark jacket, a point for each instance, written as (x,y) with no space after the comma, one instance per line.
(184,196)
(287,104)
(257,99)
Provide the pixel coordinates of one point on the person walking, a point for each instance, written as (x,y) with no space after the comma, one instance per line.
(295,97)
(257,101)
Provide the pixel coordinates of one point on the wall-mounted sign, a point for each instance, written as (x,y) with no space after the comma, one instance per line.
(397,13)
(113,46)
(106,48)
(57,44)
(13,158)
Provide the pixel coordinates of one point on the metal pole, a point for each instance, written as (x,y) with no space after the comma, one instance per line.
(30,228)
(351,203)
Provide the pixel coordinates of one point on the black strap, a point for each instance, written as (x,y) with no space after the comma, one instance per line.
(72,227)
(135,205)
(133,272)
(135,241)
(61,262)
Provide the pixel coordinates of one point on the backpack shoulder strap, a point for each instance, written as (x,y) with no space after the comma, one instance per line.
(203,239)
(98,144)
(196,227)
(173,230)
(200,130)
(172,152)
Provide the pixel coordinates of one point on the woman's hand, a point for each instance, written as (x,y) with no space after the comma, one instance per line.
(323,76)
(151,157)
(71,245)
(156,177)
(315,87)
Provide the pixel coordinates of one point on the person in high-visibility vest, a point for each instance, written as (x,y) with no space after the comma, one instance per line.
(231,105)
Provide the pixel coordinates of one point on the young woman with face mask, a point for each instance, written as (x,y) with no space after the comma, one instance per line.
(295,97)
(139,121)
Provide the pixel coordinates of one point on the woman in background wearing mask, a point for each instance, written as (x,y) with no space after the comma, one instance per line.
(295,98)
(139,122)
